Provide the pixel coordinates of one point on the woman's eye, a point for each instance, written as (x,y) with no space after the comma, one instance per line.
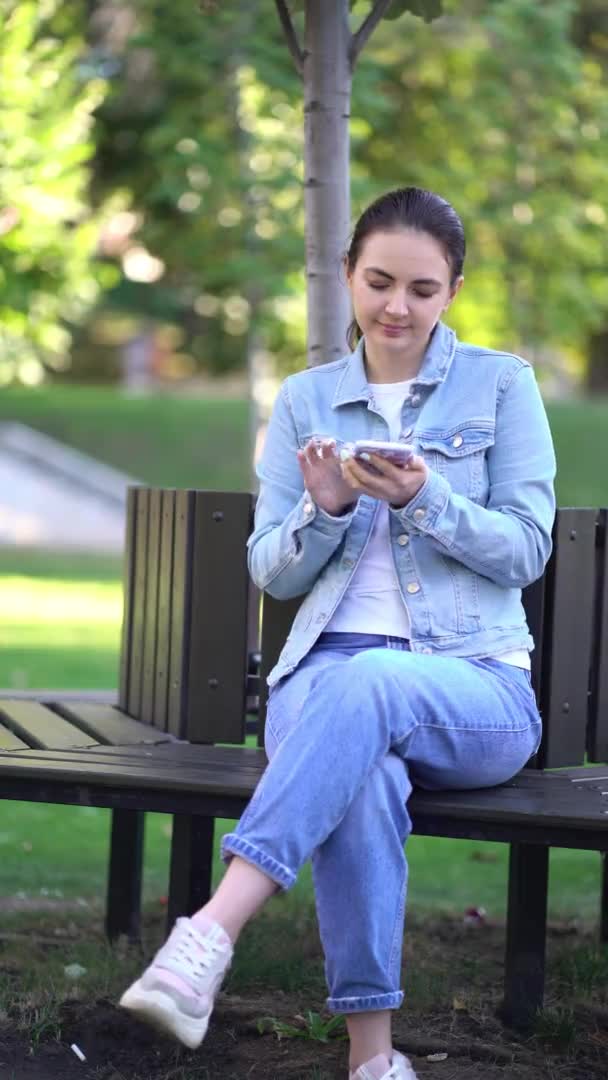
(374,285)
(423,295)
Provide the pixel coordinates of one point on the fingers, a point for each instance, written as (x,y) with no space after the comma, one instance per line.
(416,462)
(357,476)
(318,450)
(327,449)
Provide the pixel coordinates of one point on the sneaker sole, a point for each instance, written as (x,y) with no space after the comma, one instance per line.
(161,1011)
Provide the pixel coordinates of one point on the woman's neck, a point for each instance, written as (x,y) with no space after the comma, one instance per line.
(387,368)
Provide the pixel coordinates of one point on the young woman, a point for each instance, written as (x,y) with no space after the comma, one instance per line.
(408,661)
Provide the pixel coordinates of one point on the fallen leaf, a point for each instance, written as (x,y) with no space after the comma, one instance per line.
(74,971)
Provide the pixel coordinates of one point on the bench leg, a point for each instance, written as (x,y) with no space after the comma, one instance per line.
(604,900)
(123,908)
(191,865)
(526,934)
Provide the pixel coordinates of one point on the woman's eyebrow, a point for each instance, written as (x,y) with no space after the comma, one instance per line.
(417,281)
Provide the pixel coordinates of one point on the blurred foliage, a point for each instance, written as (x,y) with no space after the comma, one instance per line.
(508,119)
(47,229)
(197,136)
(211,156)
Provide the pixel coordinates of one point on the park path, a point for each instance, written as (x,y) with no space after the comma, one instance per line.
(57,498)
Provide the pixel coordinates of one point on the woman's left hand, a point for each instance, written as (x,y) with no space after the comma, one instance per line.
(395,484)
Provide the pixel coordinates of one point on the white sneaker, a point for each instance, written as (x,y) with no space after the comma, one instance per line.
(401,1069)
(177,991)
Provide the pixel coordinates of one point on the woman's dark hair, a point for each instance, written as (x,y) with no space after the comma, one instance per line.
(409,208)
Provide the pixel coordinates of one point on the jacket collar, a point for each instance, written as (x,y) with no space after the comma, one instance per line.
(353,385)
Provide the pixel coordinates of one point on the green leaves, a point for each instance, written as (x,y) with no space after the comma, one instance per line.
(425,9)
(49,234)
(311,1026)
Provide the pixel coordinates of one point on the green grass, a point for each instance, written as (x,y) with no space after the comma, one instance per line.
(48,850)
(580,433)
(61,618)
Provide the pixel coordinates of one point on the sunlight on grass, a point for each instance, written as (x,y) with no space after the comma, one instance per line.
(58,632)
(27,602)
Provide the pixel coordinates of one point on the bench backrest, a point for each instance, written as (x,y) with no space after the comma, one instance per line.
(192,620)
(184,650)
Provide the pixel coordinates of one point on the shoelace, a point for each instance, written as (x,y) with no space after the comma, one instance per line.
(197,954)
(394,1074)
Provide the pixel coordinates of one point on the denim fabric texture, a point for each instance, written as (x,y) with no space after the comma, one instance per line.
(477,531)
(360,722)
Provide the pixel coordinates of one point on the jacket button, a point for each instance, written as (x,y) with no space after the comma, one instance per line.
(308,508)
(419,513)
(415,400)
(457,440)
(403,539)
(413,587)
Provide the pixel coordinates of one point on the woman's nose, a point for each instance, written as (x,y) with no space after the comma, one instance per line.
(397,304)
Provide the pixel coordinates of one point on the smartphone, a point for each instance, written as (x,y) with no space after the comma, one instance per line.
(396,452)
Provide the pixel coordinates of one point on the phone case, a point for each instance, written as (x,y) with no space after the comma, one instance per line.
(397,453)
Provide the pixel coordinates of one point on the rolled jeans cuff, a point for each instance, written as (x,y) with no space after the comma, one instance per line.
(369,1003)
(235,845)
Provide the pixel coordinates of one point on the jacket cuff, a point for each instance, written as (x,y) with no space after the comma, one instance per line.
(423,511)
(306,512)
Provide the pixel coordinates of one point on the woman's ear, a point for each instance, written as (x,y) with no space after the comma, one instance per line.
(454,289)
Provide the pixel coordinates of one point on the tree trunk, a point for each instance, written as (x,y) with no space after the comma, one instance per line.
(327,90)
(597,363)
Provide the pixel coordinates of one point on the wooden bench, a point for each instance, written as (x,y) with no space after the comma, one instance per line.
(193,633)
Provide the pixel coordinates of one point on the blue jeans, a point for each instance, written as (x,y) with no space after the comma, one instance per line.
(348,734)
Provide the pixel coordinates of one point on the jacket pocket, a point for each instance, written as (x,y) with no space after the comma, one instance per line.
(459,454)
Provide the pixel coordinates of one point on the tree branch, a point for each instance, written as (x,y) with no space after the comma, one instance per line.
(290,35)
(366,29)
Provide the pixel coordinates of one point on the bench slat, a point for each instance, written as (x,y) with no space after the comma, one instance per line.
(146,713)
(180,571)
(163,619)
(570,599)
(138,602)
(172,755)
(127,597)
(151,771)
(107,725)
(217,654)
(41,727)
(10,741)
(597,743)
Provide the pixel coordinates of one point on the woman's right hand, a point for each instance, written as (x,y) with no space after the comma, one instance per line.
(322,471)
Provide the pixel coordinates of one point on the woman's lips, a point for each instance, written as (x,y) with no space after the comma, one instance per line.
(393,331)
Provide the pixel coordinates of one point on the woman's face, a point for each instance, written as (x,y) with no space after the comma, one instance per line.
(400,287)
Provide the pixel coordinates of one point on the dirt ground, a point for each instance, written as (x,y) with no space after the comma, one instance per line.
(455,974)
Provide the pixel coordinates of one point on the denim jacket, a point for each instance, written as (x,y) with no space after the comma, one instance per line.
(474,535)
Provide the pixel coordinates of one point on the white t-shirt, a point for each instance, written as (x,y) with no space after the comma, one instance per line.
(373,603)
